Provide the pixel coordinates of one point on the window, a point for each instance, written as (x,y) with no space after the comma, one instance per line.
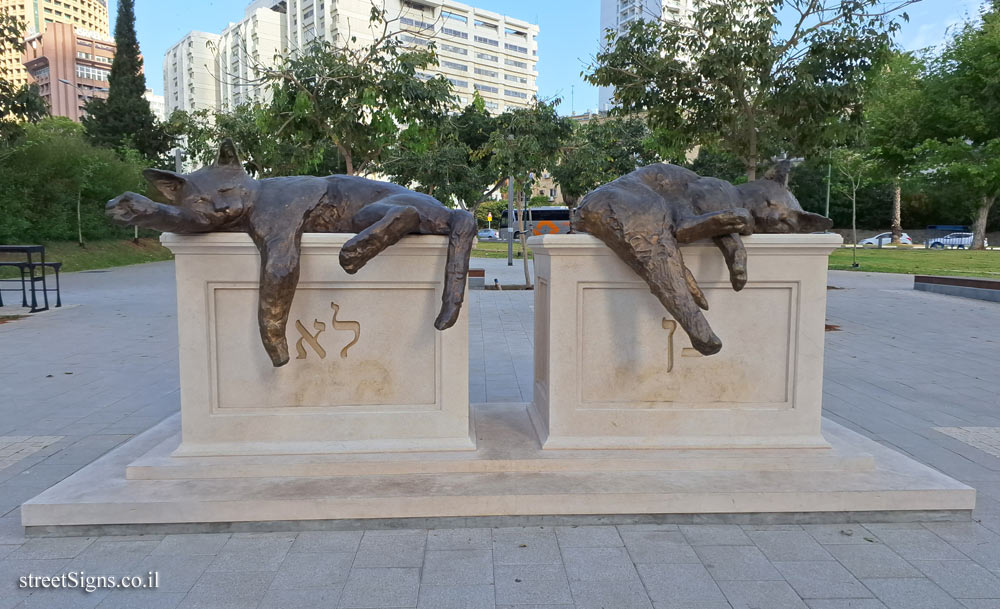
(416,23)
(516,48)
(486,88)
(455,66)
(487,57)
(511,32)
(489,41)
(487,25)
(453,49)
(513,78)
(455,16)
(455,33)
(517,94)
(414,40)
(489,73)
(462,84)
(492,105)
(516,64)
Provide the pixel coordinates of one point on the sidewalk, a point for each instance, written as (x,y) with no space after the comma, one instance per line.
(913,370)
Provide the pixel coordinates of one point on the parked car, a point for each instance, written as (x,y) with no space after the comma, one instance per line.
(884,239)
(956,240)
(489,234)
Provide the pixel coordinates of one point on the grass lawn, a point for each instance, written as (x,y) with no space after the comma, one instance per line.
(497,249)
(97,254)
(963,263)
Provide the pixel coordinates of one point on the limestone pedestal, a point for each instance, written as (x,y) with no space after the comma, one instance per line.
(368,371)
(614,370)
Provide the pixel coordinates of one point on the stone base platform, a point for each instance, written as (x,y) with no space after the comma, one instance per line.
(141,485)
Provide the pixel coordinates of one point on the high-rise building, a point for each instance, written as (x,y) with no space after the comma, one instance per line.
(247,47)
(89,15)
(157,105)
(70,65)
(618,15)
(191,74)
(478,50)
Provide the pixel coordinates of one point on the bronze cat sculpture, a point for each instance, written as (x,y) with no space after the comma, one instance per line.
(646,215)
(277,211)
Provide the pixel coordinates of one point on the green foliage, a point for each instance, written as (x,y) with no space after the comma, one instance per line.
(124,119)
(17,104)
(602,151)
(43,175)
(753,78)
(527,141)
(347,102)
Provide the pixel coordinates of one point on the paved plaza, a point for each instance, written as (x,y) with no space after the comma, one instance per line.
(915,371)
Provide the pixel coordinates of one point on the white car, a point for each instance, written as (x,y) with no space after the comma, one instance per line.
(488,234)
(884,239)
(956,240)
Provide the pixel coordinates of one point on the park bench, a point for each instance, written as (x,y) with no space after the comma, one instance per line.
(28,279)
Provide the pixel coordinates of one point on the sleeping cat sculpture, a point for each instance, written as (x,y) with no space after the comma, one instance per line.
(276,211)
(646,215)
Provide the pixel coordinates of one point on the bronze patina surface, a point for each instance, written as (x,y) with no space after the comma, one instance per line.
(277,211)
(645,216)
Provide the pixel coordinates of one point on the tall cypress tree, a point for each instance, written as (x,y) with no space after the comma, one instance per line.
(125,119)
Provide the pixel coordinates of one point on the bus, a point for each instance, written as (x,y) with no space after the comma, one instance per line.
(537,221)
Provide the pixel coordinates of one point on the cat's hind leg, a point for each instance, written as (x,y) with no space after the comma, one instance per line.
(461,237)
(379,225)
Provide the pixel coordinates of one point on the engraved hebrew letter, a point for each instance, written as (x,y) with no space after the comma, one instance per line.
(670,326)
(309,338)
(345,325)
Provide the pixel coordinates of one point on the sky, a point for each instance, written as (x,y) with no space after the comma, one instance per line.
(569,35)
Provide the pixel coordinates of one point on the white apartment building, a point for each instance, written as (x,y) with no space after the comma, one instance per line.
(478,50)
(618,15)
(191,74)
(245,48)
(157,105)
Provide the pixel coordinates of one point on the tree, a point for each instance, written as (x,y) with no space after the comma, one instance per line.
(962,97)
(526,141)
(856,168)
(445,157)
(894,117)
(754,78)
(350,100)
(599,152)
(17,104)
(124,118)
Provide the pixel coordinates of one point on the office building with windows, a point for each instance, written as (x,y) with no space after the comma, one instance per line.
(87,15)
(191,74)
(71,66)
(478,50)
(618,15)
(246,49)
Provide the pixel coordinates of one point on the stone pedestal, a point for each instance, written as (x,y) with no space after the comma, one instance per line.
(368,372)
(613,370)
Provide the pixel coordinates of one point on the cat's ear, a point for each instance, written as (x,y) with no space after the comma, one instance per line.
(228,155)
(167,182)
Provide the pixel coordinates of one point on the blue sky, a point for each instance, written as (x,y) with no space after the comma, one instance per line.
(569,34)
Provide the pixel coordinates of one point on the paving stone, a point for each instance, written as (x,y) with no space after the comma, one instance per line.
(588,537)
(44,548)
(918,544)
(745,563)
(384,550)
(599,564)
(910,593)
(457,568)
(207,544)
(460,539)
(963,532)
(872,561)
(845,603)
(655,546)
(63,599)
(381,588)
(141,599)
(761,594)
(229,590)
(679,584)
(838,534)
(961,578)
(456,597)
(821,579)
(301,598)
(177,572)
(327,541)
(715,535)
(978,603)
(788,545)
(610,594)
(111,556)
(525,547)
(531,585)
(313,570)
